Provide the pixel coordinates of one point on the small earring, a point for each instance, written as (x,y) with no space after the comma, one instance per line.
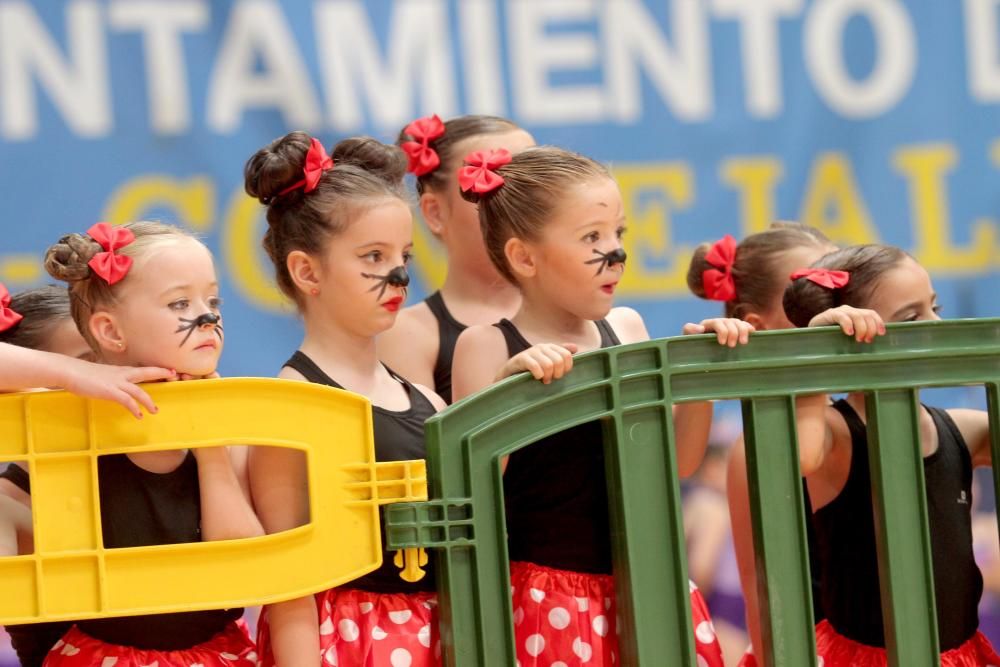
(314,291)
(120,345)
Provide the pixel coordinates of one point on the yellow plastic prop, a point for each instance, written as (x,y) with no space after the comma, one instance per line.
(72,576)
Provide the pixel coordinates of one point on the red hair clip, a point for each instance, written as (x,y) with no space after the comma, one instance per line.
(8,317)
(718,282)
(317,162)
(108,265)
(824,277)
(422,158)
(479,173)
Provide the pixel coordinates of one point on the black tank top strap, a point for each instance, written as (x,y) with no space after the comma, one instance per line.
(449,330)
(307,368)
(608,336)
(516,342)
(17,476)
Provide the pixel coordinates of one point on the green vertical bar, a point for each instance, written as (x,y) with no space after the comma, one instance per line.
(647,531)
(784,588)
(993,409)
(902,537)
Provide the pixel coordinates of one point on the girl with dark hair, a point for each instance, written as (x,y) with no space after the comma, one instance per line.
(421,345)
(340,234)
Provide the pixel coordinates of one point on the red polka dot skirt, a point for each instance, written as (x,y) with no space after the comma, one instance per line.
(230,648)
(835,650)
(566,618)
(362,629)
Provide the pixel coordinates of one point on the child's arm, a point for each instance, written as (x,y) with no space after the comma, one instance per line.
(738,496)
(226,511)
(15,520)
(975,428)
(280,493)
(693,421)
(21,368)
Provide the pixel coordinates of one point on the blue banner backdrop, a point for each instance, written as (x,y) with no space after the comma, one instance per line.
(871,119)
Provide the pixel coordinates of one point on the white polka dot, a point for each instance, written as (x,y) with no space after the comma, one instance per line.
(400,658)
(330,657)
(378,633)
(229,656)
(607,603)
(366,607)
(155,663)
(69,649)
(600,625)
(558,663)
(424,636)
(326,627)
(109,662)
(400,617)
(705,632)
(327,606)
(534,645)
(518,616)
(582,650)
(820,662)
(559,618)
(196,664)
(693,586)
(251,657)
(536,594)
(348,630)
(582,604)
(702,662)
(58,645)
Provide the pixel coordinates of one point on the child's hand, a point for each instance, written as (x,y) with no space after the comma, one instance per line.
(214,375)
(114,383)
(729,330)
(861,323)
(545,362)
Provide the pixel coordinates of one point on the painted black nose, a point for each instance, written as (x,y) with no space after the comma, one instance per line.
(398,277)
(616,256)
(208,319)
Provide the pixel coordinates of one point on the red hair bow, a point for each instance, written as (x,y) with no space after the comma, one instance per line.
(824,277)
(422,158)
(108,265)
(8,318)
(317,162)
(478,173)
(718,282)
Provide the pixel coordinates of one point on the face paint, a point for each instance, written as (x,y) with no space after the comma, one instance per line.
(608,259)
(208,319)
(398,277)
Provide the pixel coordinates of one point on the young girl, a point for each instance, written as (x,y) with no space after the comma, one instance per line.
(552,223)
(37,319)
(23,367)
(147,293)
(833,452)
(749,278)
(422,343)
(340,236)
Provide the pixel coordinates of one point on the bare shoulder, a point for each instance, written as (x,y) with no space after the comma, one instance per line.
(415,324)
(289,373)
(628,325)
(480,353)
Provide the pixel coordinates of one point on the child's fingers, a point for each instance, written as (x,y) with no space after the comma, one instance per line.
(691,329)
(860,327)
(745,330)
(557,359)
(845,322)
(572,348)
(138,395)
(532,366)
(123,397)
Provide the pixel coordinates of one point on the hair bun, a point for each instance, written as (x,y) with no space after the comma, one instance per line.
(68,259)
(696,270)
(276,166)
(384,161)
